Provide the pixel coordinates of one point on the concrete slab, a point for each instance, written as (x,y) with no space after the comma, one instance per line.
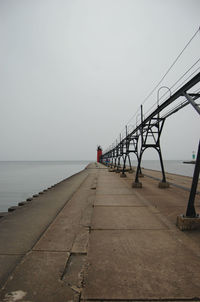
(110,180)
(62,232)
(140,265)
(80,244)
(135,252)
(130,218)
(7,262)
(113,190)
(86,217)
(105,177)
(118,200)
(39,277)
(73,276)
(58,237)
(21,229)
(113,182)
(165,200)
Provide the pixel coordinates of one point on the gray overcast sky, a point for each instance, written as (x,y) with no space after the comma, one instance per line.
(73,72)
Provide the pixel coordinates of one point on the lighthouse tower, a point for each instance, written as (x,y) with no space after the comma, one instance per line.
(99,153)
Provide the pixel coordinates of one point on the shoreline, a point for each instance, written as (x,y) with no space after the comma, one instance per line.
(12,208)
(20,204)
(22,228)
(26,189)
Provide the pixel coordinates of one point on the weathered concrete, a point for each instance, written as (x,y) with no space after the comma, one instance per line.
(21,229)
(105,241)
(122,175)
(136,252)
(128,218)
(117,200)
(163,185)
(137,185)
(25,226)
(140,265)
(38,276)
(187,223)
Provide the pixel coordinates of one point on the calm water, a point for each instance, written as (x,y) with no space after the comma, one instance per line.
(171,166)
(20,180)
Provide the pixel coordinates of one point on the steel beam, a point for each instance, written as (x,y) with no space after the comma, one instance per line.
(192,102)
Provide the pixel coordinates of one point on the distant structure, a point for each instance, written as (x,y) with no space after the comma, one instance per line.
(99,153)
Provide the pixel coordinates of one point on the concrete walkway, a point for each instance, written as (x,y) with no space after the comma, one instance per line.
(104,242)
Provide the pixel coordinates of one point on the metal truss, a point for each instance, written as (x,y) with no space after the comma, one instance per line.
(147,135)
(150,138)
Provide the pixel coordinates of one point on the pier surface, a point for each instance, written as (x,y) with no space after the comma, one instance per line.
(93,237)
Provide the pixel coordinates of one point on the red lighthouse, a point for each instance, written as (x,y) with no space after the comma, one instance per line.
(99,153)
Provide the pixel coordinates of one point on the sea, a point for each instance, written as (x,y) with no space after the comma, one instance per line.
(22,179)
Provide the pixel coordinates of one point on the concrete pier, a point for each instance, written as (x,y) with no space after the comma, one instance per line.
(93,237)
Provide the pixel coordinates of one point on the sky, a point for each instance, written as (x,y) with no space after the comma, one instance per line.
(73,73)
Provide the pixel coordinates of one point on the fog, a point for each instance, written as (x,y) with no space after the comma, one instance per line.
(73,73)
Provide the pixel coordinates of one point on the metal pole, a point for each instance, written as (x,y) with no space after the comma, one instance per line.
(124,165)
(142,124)
(127,140)
(162,166)
(191,208)
(129,162)
(138,167)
